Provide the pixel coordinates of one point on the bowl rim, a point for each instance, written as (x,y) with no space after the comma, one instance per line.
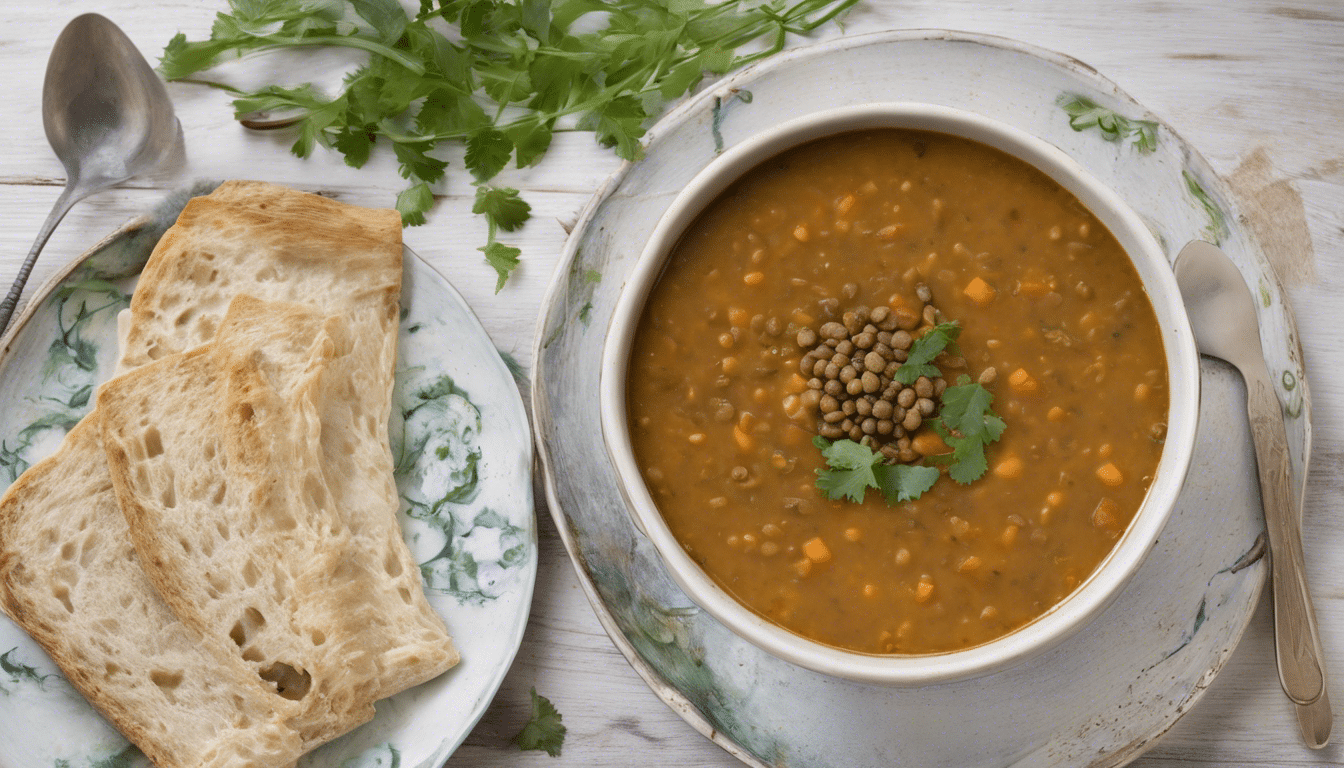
(1107,580)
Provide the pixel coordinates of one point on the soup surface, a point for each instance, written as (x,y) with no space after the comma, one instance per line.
(1054,323)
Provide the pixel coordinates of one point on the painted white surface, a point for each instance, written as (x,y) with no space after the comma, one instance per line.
(1231,77)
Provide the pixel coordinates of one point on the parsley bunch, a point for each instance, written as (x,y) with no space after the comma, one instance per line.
(966,423)
(498,81)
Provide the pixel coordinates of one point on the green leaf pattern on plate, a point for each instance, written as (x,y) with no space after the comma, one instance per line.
(71,368)
(437,449)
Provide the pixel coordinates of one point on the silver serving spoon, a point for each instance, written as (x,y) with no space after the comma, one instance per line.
(1222,314)
(107,116)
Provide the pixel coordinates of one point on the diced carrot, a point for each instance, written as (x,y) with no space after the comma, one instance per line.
(816,550)
(853,534)
(924,589)
(1109,474)
(1009,468)
(738,316)
(800,233)
(869,590)
(795,384)
(1022,382)
(971,563)
(1054,498)
(802,567)
(979,291)
(1056,414)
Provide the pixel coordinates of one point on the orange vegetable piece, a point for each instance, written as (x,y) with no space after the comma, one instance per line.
(979,291)
(1109,474)
(816,550)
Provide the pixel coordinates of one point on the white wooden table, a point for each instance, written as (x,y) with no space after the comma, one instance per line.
(1255,85)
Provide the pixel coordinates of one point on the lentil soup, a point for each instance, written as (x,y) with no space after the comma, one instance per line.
(883,234)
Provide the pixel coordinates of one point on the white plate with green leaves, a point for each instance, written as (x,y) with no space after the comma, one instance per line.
(1098,699)
(463,453)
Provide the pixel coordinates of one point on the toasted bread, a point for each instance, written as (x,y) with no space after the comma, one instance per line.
(248,527)
(71,578)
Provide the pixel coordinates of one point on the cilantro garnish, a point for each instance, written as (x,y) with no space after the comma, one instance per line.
(967,424)
(495,75)
(854,468)
(544,732)
(924,349)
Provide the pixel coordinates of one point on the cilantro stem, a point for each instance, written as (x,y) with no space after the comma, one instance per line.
(351,41)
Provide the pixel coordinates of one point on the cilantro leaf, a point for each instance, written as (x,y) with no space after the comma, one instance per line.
(488,152)
(502,207)
(530,140)
(851,469)
(904,482)
(924,349)
(967,424)
(545,731)
(854,468)
(417,164)
(503,258)
(413,202)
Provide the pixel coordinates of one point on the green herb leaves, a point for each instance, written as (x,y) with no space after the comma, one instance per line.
(967,424)
(498,82)
(1084,113)
(854,468)
(544,731)
(925,349)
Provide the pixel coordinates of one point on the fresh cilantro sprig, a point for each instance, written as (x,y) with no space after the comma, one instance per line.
(967,424)
(1085,113)
(854,468)
(925,349)
(500,80)
(545,731)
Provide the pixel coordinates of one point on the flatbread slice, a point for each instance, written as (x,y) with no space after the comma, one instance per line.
(71,578)
(250,529)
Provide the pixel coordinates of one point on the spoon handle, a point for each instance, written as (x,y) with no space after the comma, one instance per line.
(58,211)
(1296,639)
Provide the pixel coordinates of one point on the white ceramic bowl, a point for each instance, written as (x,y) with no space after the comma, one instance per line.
(1110,577)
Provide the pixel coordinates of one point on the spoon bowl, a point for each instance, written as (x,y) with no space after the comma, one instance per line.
(107,117)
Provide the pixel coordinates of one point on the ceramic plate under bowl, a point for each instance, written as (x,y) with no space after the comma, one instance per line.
(1099,698)
(473,531)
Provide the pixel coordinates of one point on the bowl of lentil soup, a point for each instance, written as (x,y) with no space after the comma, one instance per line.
(1016,472)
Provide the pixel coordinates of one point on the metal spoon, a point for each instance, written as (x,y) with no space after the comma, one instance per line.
(107,116)
(1222,314)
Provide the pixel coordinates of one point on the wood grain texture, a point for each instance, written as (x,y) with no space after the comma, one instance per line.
(1237,79)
